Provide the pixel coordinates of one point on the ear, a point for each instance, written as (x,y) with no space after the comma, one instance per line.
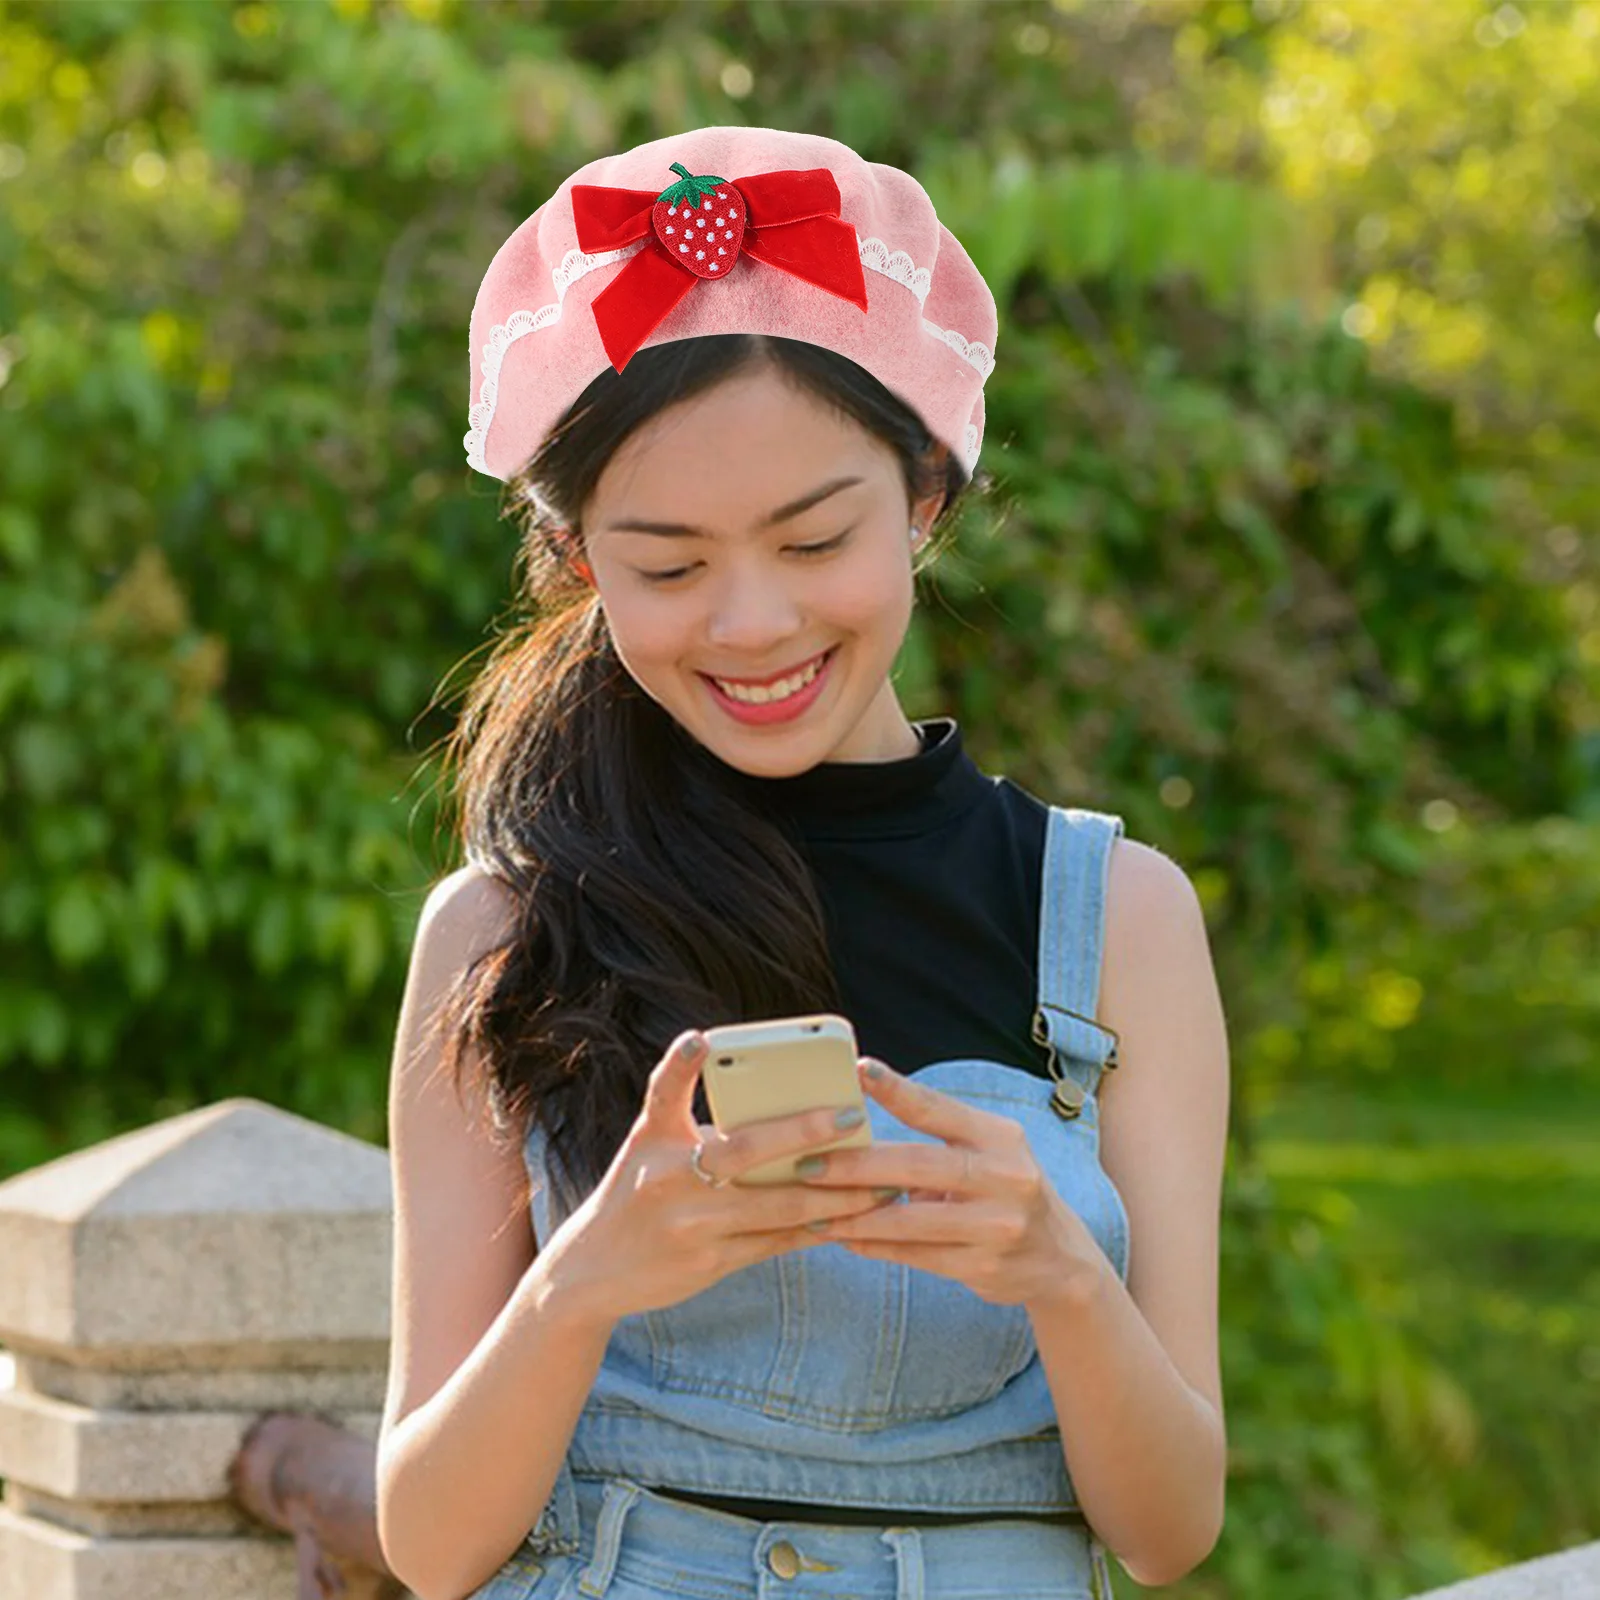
(926,511)
(571,549)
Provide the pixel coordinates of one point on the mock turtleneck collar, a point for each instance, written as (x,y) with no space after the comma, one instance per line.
(902,798)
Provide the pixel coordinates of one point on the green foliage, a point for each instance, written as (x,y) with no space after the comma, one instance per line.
(1489,964)
(1475,1210)
(1306,595)
(1340,1466)
(1132,221)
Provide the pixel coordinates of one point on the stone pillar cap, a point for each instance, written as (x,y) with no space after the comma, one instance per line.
(234,1234)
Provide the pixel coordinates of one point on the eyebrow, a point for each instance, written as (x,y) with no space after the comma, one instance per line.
(681,530)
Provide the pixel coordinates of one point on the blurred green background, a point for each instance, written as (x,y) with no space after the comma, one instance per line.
(1290,558)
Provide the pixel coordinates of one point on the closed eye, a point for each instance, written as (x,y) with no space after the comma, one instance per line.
(799,549)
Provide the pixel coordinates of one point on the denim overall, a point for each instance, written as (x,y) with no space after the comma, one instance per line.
(825,1377)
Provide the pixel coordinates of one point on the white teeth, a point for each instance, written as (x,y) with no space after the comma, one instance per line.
(776,691)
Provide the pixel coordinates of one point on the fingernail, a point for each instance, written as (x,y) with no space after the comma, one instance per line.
(696,1045)
(818,1225)
(849,1117)
(873,1069)
(810,1166)
(888,1194)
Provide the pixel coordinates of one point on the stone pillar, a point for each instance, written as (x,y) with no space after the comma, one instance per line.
(158,1293)
(1566,1575)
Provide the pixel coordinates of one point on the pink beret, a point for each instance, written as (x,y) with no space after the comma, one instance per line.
(725,230)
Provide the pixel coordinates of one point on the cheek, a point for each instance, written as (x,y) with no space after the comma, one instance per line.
(869,594)
(646,636)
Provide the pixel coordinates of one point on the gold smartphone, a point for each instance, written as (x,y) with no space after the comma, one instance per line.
(757,1070)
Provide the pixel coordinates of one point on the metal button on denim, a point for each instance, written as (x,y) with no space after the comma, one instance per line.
(784,1559)
(829,1379)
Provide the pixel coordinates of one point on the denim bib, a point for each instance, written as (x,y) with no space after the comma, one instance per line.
(824,1377)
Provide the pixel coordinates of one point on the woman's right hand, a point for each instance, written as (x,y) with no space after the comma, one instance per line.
(652,1233)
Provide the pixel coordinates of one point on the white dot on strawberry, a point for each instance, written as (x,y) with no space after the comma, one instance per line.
(672,211)
(699,255)
(712,267)
(683,247)
(721,251)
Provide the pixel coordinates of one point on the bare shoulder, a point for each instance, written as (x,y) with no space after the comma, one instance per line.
(452,1181)
(1145,884)
(1164,1109)
(469,909)
(1157,977)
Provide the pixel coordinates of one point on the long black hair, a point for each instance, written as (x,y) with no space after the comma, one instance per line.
(653,892)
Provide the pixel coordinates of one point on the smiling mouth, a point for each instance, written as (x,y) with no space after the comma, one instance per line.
(777,677)
(761,691)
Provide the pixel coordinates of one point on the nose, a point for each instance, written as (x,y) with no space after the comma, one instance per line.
(752,614)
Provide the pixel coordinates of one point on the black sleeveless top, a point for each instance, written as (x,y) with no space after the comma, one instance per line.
(929,875)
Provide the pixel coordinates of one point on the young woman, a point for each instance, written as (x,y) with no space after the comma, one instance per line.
(941,1365)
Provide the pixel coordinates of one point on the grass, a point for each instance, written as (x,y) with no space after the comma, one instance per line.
(1483,1203)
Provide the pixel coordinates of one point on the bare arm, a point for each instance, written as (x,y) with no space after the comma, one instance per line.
(464,1477)
(1133,1370)
(492,1354)
(495,1344)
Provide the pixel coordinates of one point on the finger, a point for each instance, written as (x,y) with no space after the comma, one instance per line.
(973,1223)
(905,1163)
(922,1106)
(782,1210)
(731,1155)
(756,1143)
(764,1246)
(669,1091)
(947,1260)
(801,1238)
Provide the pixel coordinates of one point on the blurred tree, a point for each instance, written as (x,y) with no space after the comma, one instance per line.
(1451,168)
(1276,564)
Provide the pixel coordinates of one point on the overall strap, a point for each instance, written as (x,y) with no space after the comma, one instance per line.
(1077,860)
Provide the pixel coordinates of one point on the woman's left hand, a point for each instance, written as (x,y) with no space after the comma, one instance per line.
(978,1208)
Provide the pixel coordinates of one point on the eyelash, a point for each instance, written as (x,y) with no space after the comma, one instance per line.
(804,549)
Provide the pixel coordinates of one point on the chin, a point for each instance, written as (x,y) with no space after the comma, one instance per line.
(775,752)
(763,755)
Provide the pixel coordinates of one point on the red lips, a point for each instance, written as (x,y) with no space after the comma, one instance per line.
(762,683)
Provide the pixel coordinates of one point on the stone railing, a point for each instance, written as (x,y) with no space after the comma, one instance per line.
(1567,1575)
(196,1316)
(196,1321)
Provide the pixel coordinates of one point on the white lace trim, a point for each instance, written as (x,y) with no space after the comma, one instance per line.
(875,255)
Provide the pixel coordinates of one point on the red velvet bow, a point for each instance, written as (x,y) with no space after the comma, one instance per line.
(791,222)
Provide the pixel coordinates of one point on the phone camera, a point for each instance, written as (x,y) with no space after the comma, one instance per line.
(724,1061)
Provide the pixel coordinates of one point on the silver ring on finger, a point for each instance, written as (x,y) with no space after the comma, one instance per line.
(700,1171)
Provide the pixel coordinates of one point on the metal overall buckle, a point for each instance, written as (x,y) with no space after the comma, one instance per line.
(1067,1098)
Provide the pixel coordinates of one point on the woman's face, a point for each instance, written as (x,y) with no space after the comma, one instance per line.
(723,590)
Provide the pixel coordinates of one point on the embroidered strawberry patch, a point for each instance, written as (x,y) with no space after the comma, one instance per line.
(701,222)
